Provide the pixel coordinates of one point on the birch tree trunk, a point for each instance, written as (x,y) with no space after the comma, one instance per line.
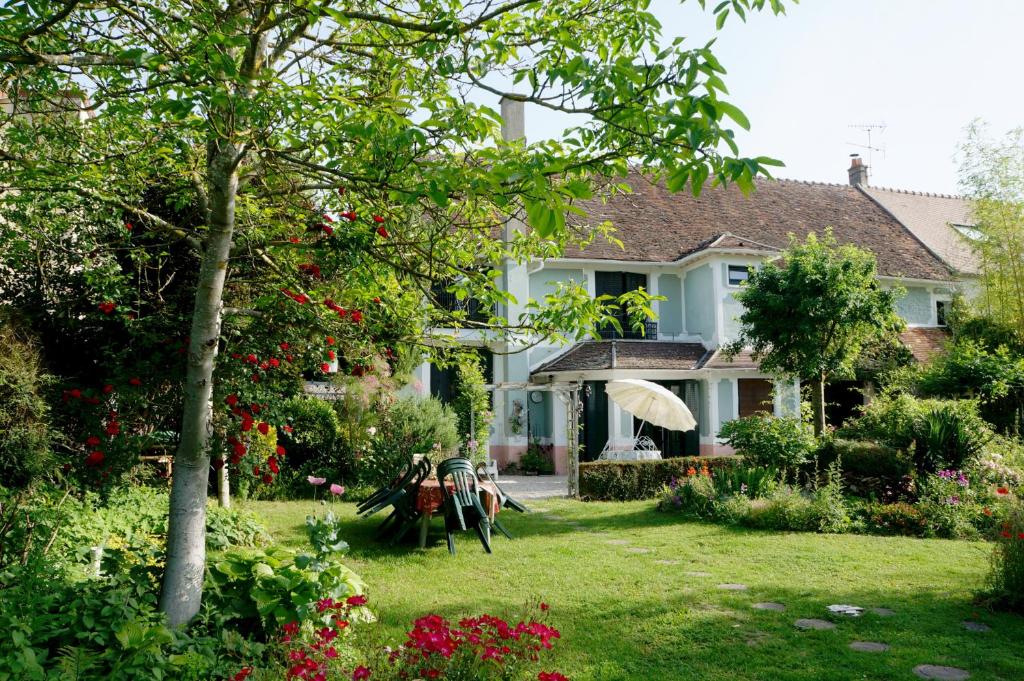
(224,487)
(182,590)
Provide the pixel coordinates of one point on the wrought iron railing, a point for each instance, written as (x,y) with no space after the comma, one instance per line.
(650,330)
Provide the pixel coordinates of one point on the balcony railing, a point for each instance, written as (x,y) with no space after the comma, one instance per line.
(474,310)
(650,331)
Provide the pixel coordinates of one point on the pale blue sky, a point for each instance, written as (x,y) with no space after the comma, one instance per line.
(925,68)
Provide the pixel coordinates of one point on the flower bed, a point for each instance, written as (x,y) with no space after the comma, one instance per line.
(634,480)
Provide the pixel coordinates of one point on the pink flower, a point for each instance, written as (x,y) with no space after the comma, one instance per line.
(315,481)
(551,676)
(360,673)
(337,489)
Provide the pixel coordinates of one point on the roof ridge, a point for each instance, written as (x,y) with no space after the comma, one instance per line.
(914,192)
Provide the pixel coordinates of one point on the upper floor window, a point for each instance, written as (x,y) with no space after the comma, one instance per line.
(615,284)
(941,310)
(738,274)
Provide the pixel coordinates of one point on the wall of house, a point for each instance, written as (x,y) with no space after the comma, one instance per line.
(699,295)
(916,306)
(726,402)
(545,281)
(670,311)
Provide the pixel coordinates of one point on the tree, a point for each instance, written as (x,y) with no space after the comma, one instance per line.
(333,160)
(992,177)
(810,314)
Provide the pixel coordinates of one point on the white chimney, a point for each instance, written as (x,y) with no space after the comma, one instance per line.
(513,122)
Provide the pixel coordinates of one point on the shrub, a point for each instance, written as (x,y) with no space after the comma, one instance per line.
(733,509)
(312,445)
(829,512)
(785,510)
(899,518)
(947,502)
(695,495)
(633,480)
(1006,579)
(24,417)
(411,425)
(752,483)
(538,459)
(869,469)
(774,442)
(1002,462)
(472,407)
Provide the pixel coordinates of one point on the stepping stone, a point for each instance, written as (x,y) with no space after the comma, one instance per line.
(551,516)
(819,625)
(933,671)
(667,562)
(976,626)
(638,549)
(869,647)
(848,610)
(541,510)
(733,587)
(883,612)
(697,574)
(618,542)
(777,607)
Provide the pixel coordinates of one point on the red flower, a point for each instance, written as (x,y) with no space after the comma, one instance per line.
(330,354)
(357,370)
(263,427)
(295,240)
(75,392)
(255,378)
(107,307)
(1005,534)
(376,299)
(328,218)
(92,441)
(280,449)
(544,607)
(239,449)
(383,232)
(378,219)
(268,478)
(241,676)
(360,673)
(287,429)
(264,365)
(246,425)
(275,362)
(987,511)
(1020,535)
(551,676)
(236,355)
(1002,490)
(288,357)
(349,215)
(94,459)
(328,230)
(284,346)
(231,400)
(356,600)
(107,389)
(325,367)
(257,471)
(128,226)
(113,428)
(218,464)
(135,381)
(330,340)
(251,358)
(357,316)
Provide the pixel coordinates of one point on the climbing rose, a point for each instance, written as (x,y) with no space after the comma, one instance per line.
(268,478)
(135,381)
(378,219)
(263,427)
(94,459)
(357,316)
(76,393)
(330,340)
(295,240)
(272,465)
(284,346)
(330,354)
(383,232)
(107,389)
(280,450)
(107,307)
(232,400)
(92,441)
(325,367)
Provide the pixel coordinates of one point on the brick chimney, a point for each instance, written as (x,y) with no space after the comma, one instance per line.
(513,125)
(858,171)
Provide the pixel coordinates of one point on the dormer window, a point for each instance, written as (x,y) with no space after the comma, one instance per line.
(738,274)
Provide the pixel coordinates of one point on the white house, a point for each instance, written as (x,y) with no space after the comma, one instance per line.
(695,252)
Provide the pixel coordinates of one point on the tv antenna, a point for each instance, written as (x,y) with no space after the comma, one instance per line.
(868,129)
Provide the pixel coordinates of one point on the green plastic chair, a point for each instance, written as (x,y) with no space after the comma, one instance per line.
(462,507)
(504,500)
(404,470)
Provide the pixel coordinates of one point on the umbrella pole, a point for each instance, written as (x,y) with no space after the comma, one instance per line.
(638,432)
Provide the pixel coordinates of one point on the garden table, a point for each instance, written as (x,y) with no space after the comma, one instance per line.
(429,501)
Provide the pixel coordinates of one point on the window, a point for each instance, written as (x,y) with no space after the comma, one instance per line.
(972,233)
(755,396)
(941,308)
(738,274)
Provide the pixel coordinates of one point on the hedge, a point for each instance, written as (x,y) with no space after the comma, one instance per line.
(633,480)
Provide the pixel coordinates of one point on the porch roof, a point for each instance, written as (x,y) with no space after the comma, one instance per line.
(627,354)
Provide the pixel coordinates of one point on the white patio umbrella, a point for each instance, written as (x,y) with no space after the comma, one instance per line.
(651,402)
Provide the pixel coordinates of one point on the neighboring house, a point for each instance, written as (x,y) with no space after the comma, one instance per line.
(695,252)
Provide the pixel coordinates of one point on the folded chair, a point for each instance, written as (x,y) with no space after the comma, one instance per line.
(462,507)
(504,500)
(394,493)
(386,490)
(406,515)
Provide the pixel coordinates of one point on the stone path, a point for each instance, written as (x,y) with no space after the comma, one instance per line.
(819,625)
(733,587)
(932,671)
(618,542)
(524,487)
(777,607)
(869,646)
(883,612)
(976,626)
(697,574)
(667,562)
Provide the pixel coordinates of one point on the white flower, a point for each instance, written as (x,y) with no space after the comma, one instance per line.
(372,431)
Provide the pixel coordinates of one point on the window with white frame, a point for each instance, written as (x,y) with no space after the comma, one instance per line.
(738,274)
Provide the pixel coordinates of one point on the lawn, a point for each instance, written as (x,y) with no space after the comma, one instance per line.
(625,615)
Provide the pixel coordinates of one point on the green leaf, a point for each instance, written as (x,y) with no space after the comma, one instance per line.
(733,113)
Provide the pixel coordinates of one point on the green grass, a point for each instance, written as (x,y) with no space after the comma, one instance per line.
(624,616)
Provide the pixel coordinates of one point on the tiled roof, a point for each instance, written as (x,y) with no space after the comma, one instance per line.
(655,225)
(930,217)
(925,342)
(742,360)
(626,354)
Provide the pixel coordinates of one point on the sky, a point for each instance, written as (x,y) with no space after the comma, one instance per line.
(924,68)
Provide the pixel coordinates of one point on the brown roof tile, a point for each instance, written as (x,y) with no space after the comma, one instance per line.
(925,342)
(742,360)
(658,226)
(598,355)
